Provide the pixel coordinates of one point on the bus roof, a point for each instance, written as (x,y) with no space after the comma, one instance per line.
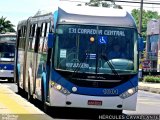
(8,34)
(85,15)
(8,37)
(8,41)
(95,15)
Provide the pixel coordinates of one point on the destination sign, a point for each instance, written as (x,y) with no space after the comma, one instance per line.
(95,31)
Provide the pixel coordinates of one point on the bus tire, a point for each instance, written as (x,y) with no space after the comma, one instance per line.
(11,80)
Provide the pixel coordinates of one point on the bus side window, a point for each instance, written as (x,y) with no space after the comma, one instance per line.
(37,39)
(47,29)
(41,37)
(34,27)
(42,50)
(44,38)
(32,37)
(30,30)
(18,38)
(22,37)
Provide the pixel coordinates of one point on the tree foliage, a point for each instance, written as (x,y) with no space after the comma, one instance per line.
(6,25)
(102,3)
(146,16)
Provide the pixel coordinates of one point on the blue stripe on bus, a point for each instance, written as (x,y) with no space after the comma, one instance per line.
(55,16)
(18,70)
(44,83)
(6,67)
(93,91)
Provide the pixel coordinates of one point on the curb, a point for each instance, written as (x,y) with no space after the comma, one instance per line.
(149,89)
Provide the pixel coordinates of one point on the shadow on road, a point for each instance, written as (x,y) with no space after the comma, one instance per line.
(95,114)
(76,113)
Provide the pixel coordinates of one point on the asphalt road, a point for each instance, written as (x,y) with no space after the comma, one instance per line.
(148,103)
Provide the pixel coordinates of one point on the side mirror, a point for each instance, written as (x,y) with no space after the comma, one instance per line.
(50,40)
(141,44)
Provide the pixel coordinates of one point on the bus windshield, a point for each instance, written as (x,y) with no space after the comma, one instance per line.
(86,48)
(6,51)
(7,38)
(7,47)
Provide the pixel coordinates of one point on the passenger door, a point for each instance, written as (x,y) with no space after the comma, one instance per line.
(42,56)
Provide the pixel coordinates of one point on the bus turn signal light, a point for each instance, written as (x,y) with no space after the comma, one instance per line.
(59,88)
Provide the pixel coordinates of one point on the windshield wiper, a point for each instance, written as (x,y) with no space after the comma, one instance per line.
(80,63)
(110,65)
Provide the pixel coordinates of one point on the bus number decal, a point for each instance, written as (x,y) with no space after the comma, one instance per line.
(110,91)
(72,30)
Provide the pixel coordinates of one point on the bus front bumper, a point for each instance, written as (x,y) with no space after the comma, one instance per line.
(58,99)
(6,73)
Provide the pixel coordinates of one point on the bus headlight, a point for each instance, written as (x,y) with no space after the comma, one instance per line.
(129,92)
(59,88)
(52,83)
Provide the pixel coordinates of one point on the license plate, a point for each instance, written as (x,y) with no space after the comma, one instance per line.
(94,102)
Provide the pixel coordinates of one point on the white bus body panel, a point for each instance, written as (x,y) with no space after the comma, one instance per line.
(130,102)
(58,99)
(82,101)
(6,73)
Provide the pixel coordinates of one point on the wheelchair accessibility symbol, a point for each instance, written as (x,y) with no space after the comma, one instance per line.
(102,39)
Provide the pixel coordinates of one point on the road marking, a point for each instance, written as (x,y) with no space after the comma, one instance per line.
(11,105)
(148,101)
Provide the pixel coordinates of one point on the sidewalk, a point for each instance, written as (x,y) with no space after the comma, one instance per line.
(14,107)
(151,87)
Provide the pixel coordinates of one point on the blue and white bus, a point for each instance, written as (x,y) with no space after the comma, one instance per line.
(63,58)
(7,51)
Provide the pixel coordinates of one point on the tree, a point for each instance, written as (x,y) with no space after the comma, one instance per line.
(147,15)
(103,3)
(6,25)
